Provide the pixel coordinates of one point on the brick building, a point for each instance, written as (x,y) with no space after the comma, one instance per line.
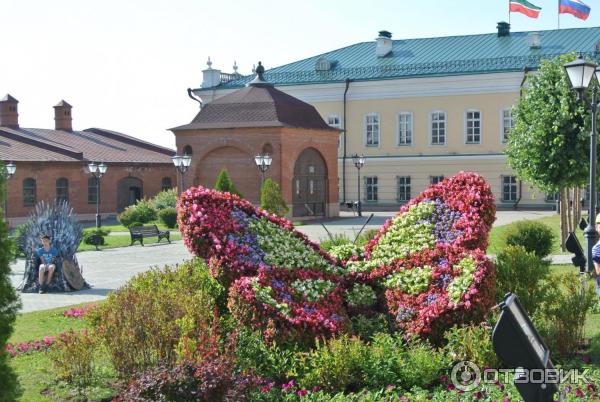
(260,119)
(52,164)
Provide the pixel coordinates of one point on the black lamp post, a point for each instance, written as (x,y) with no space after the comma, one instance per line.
(580,74)
(182,163)
(11,168)
(263,162)
(97,170)
(359,162)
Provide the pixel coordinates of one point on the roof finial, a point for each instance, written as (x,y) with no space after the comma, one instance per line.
(235,67)
(259,79)
(260,70)
(253,68)
(209,63)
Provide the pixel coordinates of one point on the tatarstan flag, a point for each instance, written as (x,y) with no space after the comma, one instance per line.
(524,7)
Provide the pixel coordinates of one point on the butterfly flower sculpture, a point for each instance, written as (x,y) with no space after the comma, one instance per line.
(426,268)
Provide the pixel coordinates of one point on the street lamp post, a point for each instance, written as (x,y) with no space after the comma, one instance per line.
(263,162)
(97,170)
(359,162)
(182,163)
(580,73)
(11,168)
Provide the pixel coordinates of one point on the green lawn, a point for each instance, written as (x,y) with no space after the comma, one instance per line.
(498,234)
(123,241)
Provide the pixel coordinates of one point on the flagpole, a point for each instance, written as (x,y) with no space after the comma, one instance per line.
(558,13)
(508,12)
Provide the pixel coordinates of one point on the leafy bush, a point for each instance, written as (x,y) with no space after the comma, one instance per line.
(336,239)
(168,216)
(9,305)
(88,235)
(271,198)
(471,343)
(562,316)
(224,183)
(73,356)
(146,321)
(523,273)
(142,212)
(366,327)
(534,236)
(165,199)
(366,236)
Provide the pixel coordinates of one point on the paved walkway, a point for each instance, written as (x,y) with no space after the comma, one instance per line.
(107,270)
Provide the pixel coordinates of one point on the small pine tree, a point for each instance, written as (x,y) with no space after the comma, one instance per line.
(224,183)
(271,198)
(9,305)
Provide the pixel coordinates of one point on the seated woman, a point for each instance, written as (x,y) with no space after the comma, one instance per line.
(47,254)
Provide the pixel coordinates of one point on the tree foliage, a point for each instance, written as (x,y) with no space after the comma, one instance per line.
(271,198)
(9,304)
(549,143)
(224,183)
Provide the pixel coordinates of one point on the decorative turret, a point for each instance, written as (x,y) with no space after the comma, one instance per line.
(62,116)
(9,115)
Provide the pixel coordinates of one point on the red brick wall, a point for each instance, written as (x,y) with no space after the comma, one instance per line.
(235,149)
(46,174)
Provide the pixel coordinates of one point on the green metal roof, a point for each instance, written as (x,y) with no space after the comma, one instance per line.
(452,55)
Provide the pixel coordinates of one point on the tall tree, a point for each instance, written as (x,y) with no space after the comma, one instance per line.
(549,143)
(224,183)
(9,302)
(271,198)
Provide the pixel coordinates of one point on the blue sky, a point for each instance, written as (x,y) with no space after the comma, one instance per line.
(125,65)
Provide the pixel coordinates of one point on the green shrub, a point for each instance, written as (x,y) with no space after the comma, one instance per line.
(336,239)
(561,318)
(366,327)
(88,235)
(534,236)
(165,199)
(523,273)
(271,198)
(366,236)
(168,216)
(73,357)
(423,365)
(471,343)
(150,317)
(224,183)
(9,304)
(142,212)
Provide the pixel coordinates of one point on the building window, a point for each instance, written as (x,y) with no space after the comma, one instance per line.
(62,189)
(334,122)
(92,190)
(403,188)
(473,127)
(405,128)
(29,192)
(435,179)
(187,150)
(166,184)
(552,197)
(509,188)
(372,130)
(438,128)
(371,188)
(507,124)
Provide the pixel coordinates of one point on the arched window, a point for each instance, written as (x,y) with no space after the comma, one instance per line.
(187,150)
(166,184)
(29,192)
(92,190)
(62,189)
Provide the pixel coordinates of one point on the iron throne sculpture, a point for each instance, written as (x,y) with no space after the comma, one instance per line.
(57,220)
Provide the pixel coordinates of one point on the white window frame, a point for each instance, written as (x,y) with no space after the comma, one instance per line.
(408,138)
(365,129)
(406,185)
(502,184)
(503,138)
(372,185)
(337,126)
(466,127)
(431,127)
(439,178)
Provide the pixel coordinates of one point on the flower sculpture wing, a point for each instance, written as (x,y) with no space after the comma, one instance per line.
(429,262)
(278,280)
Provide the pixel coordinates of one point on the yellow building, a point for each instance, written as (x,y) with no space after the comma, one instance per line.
(421,109)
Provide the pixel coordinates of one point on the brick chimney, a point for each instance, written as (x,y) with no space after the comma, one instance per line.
(9,115)
(384,44)
(62,116)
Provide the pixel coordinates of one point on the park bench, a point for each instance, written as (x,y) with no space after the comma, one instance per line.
(138,233)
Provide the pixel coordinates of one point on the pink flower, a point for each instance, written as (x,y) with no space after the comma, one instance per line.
(301,392)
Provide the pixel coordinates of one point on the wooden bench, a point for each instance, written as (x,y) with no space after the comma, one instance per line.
(138,233)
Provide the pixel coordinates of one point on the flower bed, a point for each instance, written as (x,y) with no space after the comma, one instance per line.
(427,263)
(79,312)
(31,346)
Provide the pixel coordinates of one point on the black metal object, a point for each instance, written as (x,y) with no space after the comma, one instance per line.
(573,246)
(363,227)
(518,344)
(138,233)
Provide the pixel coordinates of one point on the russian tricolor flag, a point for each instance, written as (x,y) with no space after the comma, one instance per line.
(575,7)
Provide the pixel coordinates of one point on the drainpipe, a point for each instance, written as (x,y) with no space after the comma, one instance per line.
(525,71)
(191,95)
(344,156)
